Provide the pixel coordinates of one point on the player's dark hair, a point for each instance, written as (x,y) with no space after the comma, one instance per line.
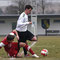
(10,37)
(28,7)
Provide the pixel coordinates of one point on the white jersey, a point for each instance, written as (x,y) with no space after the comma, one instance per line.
(22,22)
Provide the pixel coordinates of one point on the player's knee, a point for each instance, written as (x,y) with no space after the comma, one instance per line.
(22,44)
(34,39)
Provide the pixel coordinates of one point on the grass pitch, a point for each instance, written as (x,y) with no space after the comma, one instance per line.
(51,43)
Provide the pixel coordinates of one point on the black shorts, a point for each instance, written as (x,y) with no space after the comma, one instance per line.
(23,36)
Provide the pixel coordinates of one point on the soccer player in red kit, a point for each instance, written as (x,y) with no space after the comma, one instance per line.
(12,47)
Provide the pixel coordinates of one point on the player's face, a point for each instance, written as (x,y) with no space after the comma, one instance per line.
(29,11)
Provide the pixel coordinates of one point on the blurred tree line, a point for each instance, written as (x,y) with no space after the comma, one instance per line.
(43,7)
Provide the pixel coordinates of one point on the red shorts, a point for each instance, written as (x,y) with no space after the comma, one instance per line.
(14,50)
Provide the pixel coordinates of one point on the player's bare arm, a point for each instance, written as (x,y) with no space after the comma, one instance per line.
(16,34)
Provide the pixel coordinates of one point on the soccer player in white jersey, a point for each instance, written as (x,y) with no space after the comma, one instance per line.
(22,30)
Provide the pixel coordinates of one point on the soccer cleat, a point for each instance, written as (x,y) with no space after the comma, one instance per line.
(34,55)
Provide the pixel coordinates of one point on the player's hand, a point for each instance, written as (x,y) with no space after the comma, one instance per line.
(30,22)
(19,55)
(17,37)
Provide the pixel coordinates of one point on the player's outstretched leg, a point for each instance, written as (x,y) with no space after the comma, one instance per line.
(31,51)
(28,49)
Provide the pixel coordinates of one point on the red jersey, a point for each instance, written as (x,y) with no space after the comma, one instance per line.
(10,47)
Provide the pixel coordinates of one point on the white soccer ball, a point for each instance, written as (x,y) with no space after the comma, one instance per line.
(44,52)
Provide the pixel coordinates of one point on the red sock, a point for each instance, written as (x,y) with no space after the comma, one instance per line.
(26,47)
(0,47)
(30,50)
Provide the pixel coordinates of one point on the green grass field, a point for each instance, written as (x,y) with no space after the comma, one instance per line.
(51,43)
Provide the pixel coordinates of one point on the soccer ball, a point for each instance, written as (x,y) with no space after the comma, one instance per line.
(44,52)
